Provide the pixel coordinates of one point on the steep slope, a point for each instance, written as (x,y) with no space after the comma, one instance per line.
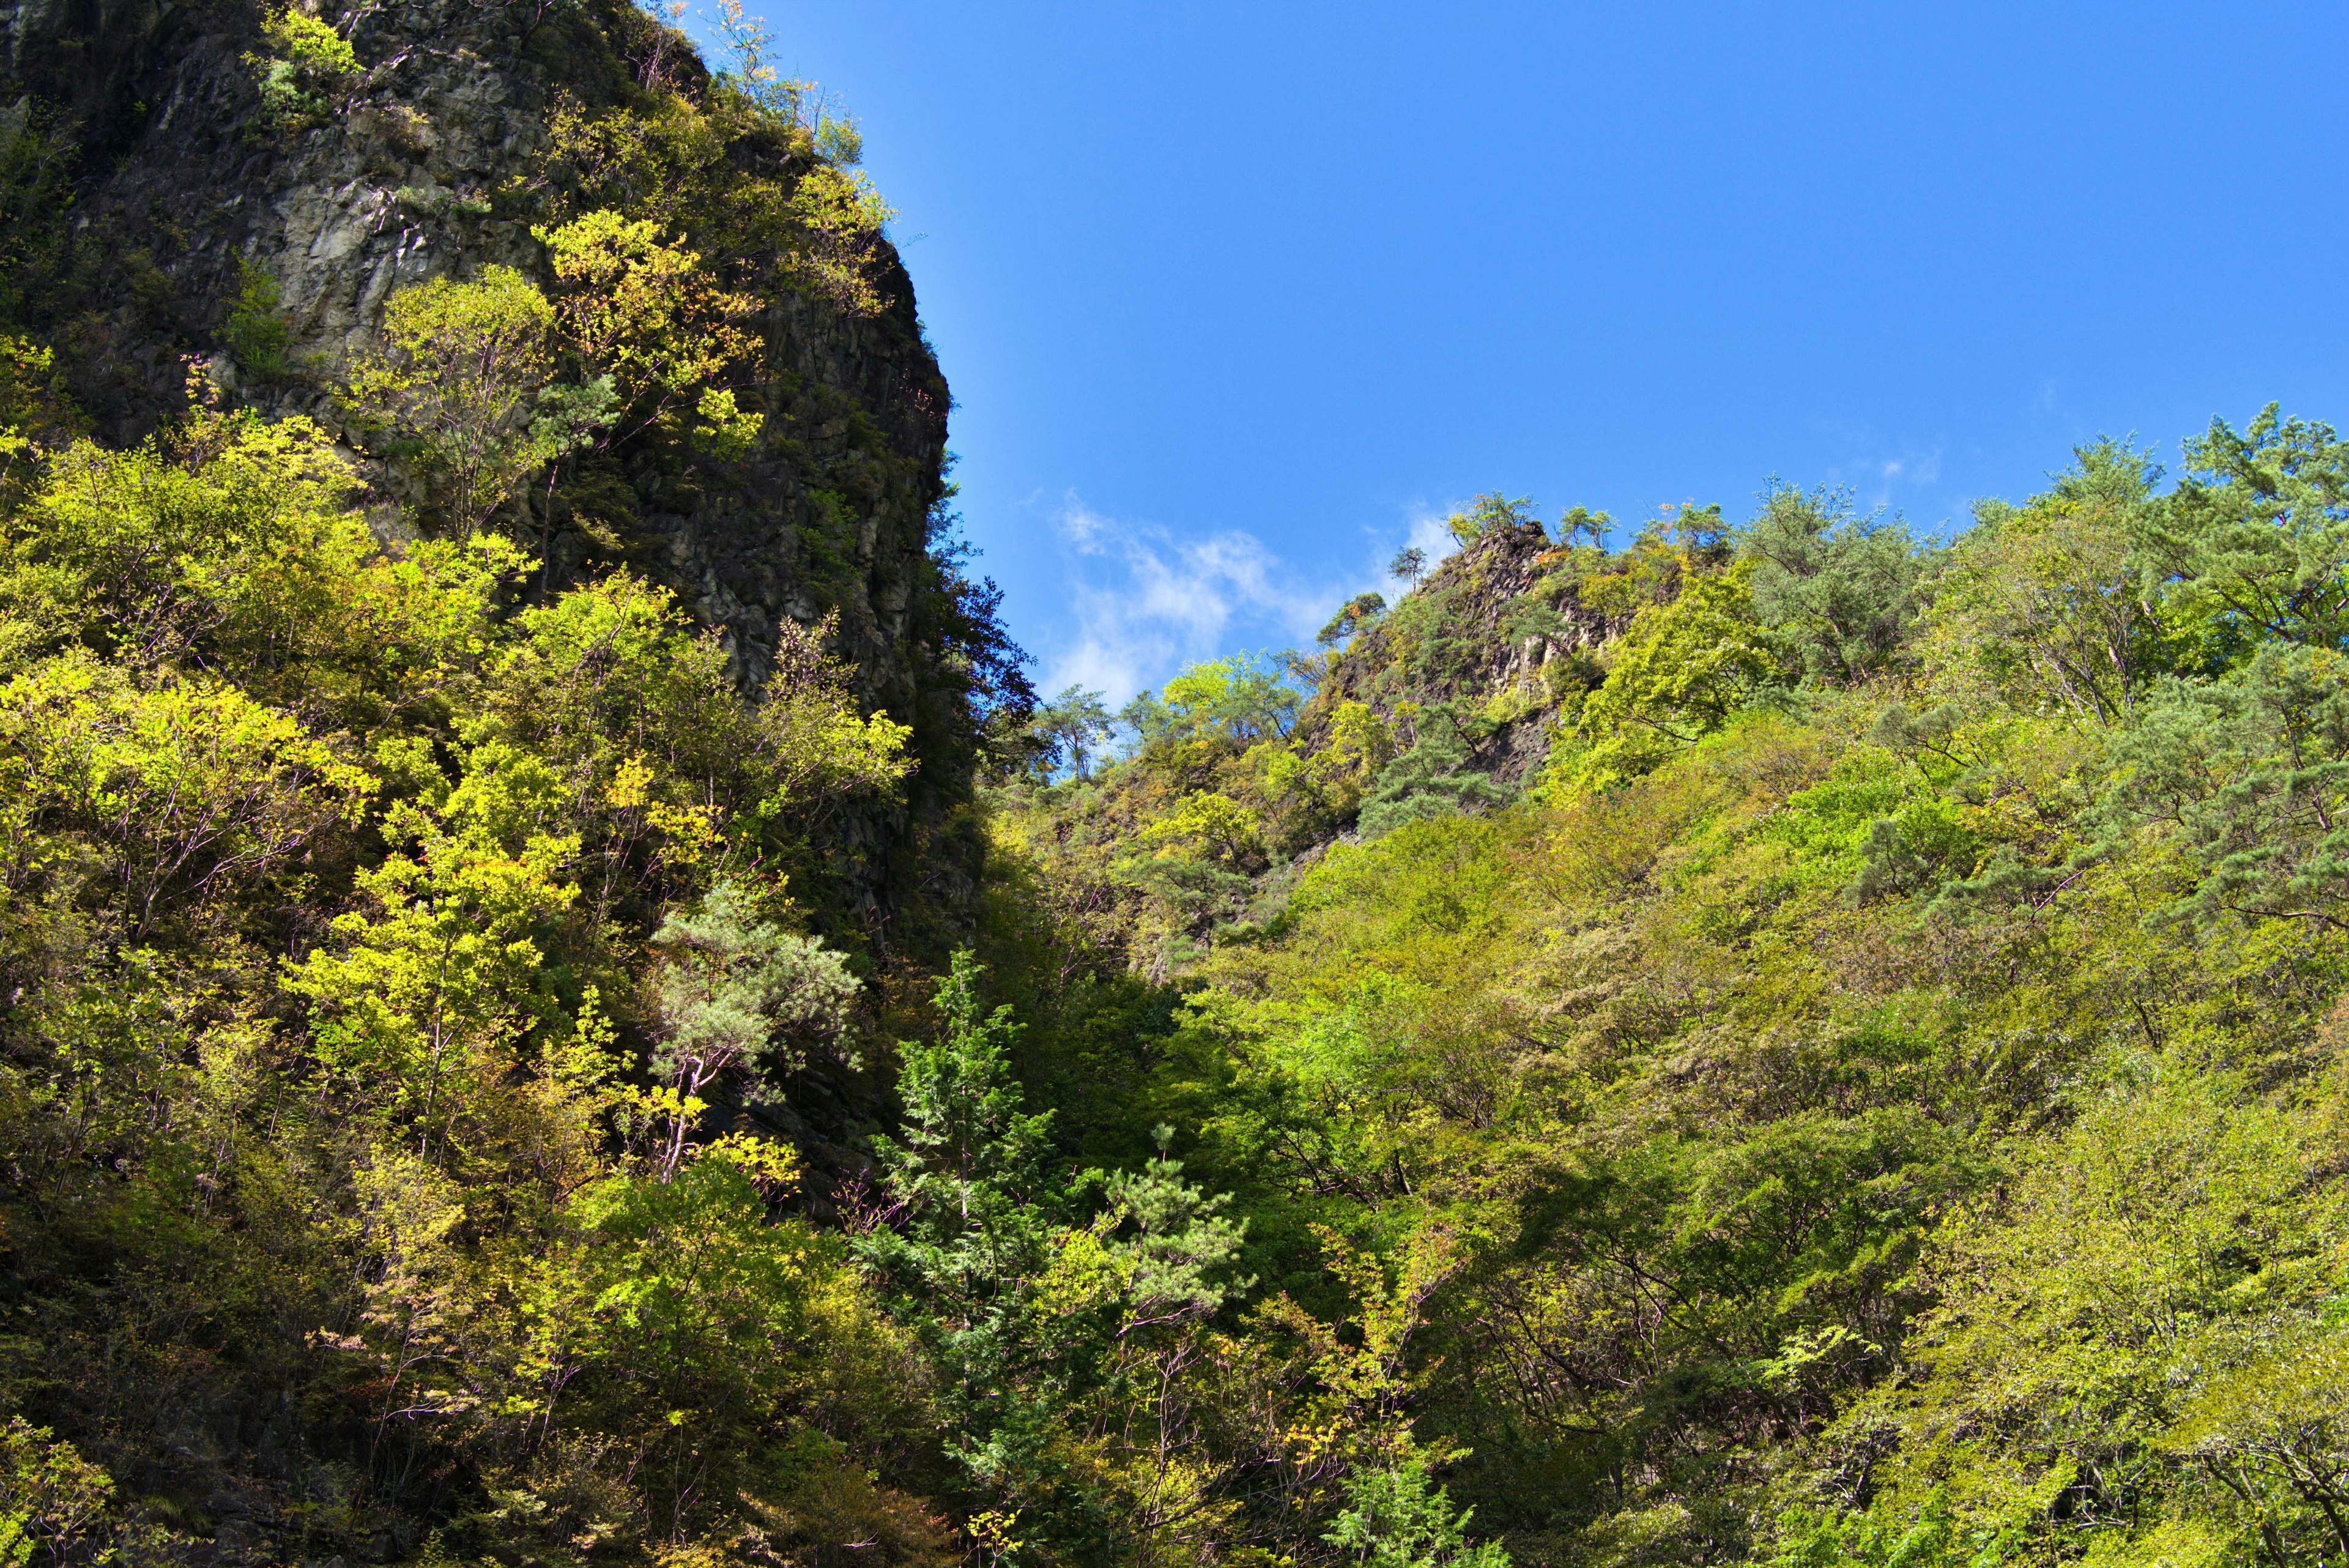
(162,208)
(1877,1099)
(371,869)
(1247,771)
(1498,632)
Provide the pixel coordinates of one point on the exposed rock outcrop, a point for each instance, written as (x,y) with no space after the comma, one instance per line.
(149,187)
(1495,634)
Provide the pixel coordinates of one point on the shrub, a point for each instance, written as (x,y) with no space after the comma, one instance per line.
(307,68)
(257,335)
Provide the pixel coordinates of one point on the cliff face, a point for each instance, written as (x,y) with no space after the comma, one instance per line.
(150,189)
(1495,636)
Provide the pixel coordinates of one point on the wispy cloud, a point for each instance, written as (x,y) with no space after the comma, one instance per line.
(1887,481)
(1883,475)
(1145,601)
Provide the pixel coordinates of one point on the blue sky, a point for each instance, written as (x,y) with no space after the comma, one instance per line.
(1236,298)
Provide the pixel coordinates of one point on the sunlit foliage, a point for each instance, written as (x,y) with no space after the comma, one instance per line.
(1847,1154)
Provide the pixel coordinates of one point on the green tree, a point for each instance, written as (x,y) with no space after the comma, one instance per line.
(222,542)
(1351,616)
(714,1345)
(646,312)
(1581,522)
(2259,527)
(307,71)
(1846,590)
(1073,726)
(227,546)
(1398,1518)
(1207,824)
(34,413)
(1489,513)
(1432,778)
(968,1234)
(669,776)
(51,1499)
(256,330)
(2136,1327)
(2248,776)
(460,370)
(420,1002)
(2052,602)
(184,794)
(1684,668)
(731,989)
(1242,697)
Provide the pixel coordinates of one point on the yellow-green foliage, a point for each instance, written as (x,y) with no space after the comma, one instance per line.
(414,949)
(307,67)
(1206,823)
(460,368)
(2046,601)
(467,380)
(2148,1299)
(1887,1119)
(325,875)
(226,545)
(1648,573)
(1683,669)
(31,408)
(670,160)
(256,332)
(1715,1125)
(184,791)
(310,44)
(50,1497)
(1333,774)
(1878,1099)
(643,310)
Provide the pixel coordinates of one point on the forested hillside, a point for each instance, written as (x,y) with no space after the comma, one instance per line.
(1788,1040)
(561,1003)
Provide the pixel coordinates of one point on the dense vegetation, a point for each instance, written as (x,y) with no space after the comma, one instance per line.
(1869,1089)
(1782,1040)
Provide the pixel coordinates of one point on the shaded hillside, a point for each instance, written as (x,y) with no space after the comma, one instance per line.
(488,704)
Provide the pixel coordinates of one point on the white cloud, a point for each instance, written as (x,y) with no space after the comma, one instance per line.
(1884,479)
(1145,602)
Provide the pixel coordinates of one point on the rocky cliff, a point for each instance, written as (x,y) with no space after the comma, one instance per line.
(1494,638)
(156,210)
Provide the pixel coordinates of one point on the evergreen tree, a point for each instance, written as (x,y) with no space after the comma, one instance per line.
(968,1234)
(1399,1518)
(1071,728)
